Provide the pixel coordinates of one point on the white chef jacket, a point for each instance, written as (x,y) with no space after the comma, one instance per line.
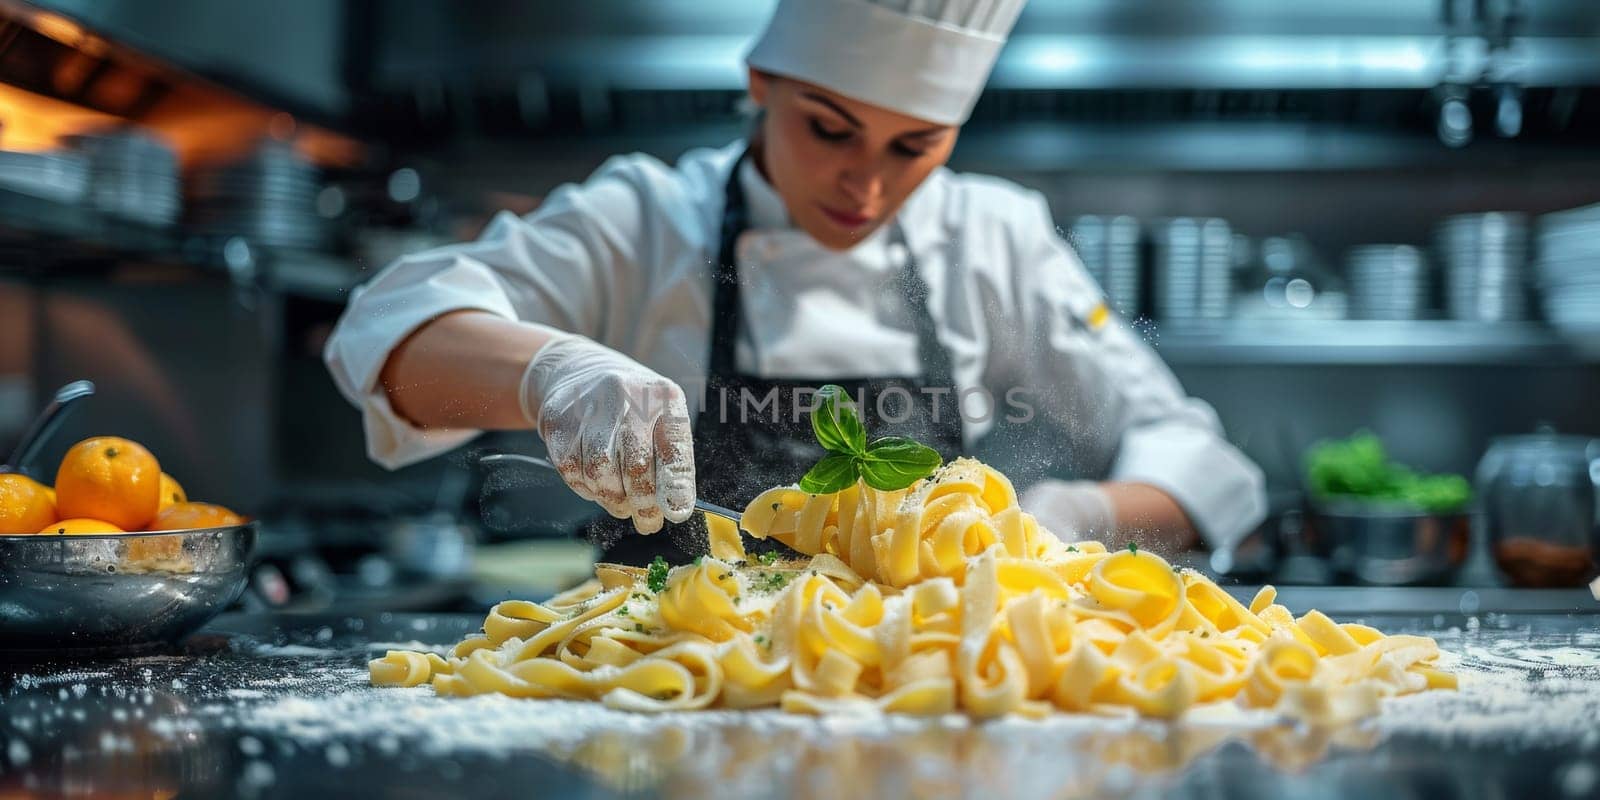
(625,258)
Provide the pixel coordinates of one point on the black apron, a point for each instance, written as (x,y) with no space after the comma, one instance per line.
(739,456)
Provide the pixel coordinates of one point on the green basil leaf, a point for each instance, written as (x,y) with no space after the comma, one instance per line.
(835,423)
(895,462)
(834,473)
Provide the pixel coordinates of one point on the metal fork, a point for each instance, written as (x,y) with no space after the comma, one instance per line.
(519,458)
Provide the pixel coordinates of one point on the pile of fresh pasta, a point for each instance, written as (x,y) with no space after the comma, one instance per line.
(941,597)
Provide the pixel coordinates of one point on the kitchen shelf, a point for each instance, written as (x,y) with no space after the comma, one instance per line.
(1368,342)
(51,233)
(30,218)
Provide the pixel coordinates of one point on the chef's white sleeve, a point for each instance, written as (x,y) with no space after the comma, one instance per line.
(570,265)
(1121,409)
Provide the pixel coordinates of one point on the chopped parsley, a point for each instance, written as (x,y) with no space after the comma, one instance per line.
(1133,547)
(768,558)
(697,560)
(1071,549)
(638,627)
(656,579)
(622,611)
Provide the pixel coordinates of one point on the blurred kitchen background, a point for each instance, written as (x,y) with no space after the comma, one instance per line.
(1327,217)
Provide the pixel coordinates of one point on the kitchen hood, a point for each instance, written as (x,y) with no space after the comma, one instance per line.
(1314,78)
(59,76)
(1057,44)
(513,69)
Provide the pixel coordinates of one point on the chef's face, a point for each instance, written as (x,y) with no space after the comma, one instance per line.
(842,167)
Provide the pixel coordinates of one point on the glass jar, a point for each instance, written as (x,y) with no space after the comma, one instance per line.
(1541,502)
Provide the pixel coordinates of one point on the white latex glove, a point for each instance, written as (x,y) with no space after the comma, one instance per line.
(1072,510)
(617,431)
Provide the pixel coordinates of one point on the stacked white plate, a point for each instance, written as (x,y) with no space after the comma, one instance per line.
(62,177)
(1485,259)
(1194,268)
(1387,281)
(132,175)
(1109,250)
(268,197)
(1569,268)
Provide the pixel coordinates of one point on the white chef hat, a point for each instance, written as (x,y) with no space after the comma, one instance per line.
(924,58)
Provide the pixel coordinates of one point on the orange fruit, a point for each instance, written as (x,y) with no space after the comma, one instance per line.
(189,516)
(25,504)
(68,527)
(109,478)
(171,492)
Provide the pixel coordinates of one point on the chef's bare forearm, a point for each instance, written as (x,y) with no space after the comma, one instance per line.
(462,370)
(1150,517)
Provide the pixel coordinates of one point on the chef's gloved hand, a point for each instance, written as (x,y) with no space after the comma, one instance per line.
(617,431)
(1072,510)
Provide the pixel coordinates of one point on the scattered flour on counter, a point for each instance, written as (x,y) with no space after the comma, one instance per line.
(26,681)
(157,659)
(1511,692)
(420,647)
(1517,690)
(292,651)
(316,681)
(496,724)
(326,635)
(720,753)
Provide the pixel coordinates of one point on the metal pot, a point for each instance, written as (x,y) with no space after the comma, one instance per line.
(118,591)
(1388,546)
(1541,498)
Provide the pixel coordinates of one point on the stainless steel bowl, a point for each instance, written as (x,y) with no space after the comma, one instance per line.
(1389,547)
(117,592)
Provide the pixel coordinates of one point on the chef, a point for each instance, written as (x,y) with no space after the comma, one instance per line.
(664,328)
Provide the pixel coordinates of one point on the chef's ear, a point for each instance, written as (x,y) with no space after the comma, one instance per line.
(759,82)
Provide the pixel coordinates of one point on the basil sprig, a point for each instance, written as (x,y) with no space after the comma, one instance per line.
(887,464)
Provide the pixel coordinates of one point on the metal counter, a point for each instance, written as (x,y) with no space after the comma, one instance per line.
(260,706)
